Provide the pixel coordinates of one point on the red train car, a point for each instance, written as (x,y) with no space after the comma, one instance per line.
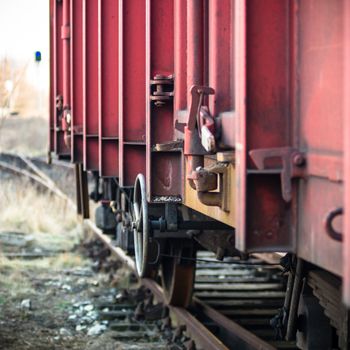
(223,122)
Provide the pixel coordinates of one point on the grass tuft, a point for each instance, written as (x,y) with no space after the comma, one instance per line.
(47,218)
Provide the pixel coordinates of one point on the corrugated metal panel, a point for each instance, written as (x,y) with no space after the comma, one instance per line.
(108,88)
(132,90)
(90,84)
(77,102)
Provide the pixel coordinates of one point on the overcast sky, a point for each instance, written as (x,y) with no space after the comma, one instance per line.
(24,29)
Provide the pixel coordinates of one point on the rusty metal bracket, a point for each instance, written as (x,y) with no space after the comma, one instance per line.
(212,185)
(162,89)
(292,165)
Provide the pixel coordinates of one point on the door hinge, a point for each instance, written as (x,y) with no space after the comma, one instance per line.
(162,89)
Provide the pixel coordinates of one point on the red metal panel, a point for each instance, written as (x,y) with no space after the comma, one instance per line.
(134,162)
(239,39)
(296,102)
(132,119)
(320,128)
(91,85)
(180,68)
(108,88)
(195,46)
(346,230)
(220,68)
(59,144)
(52,81)
(160,61)
(77,80)
(263,218)
(65,35)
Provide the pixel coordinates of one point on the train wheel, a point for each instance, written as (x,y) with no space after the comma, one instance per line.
(177,273)
(145,253)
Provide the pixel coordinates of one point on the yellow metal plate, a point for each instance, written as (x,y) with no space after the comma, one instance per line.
(191,199)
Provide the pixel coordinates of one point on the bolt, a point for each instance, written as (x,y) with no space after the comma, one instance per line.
(298,159)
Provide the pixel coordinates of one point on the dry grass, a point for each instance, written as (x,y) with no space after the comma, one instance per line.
(16,274)
(47,218)
(27,136)
(49,221)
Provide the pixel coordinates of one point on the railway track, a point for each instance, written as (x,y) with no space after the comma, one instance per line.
(233,302)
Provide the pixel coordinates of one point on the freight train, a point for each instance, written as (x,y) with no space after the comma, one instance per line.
(223,124)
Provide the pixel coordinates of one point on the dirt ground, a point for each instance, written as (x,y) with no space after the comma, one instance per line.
(38,300)
(49,290)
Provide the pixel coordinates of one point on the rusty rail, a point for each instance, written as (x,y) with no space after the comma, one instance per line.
(194,327)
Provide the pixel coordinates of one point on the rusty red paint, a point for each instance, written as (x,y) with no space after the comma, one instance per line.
(346,135)
(132,90)
(60,147)
(320,120)
(159,120)
(220,68)
(108,88)
(295,102)
(65,36)
(52,67)
(76,82)
(262,123)
(90,84)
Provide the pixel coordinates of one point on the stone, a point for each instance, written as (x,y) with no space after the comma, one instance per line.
(26,304)
(80,327)
(88,307)
(97,329)
(65,332)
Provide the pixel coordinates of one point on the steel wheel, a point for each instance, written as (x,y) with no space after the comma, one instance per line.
(178,275)
(141,226)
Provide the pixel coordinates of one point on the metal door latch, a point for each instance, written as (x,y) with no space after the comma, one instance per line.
(292,165)
(200,116)
(162,89)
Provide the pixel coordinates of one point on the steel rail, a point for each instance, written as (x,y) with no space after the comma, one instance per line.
(243,336)
(194,327)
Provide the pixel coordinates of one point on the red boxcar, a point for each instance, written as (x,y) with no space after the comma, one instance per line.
(236,112)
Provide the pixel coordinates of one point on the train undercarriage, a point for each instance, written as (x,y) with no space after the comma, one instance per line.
(164,239)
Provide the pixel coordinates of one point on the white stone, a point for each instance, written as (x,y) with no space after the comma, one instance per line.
(96,330)
(26,304)
(72,317)
(65,332)
(80,328)
(88,307)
